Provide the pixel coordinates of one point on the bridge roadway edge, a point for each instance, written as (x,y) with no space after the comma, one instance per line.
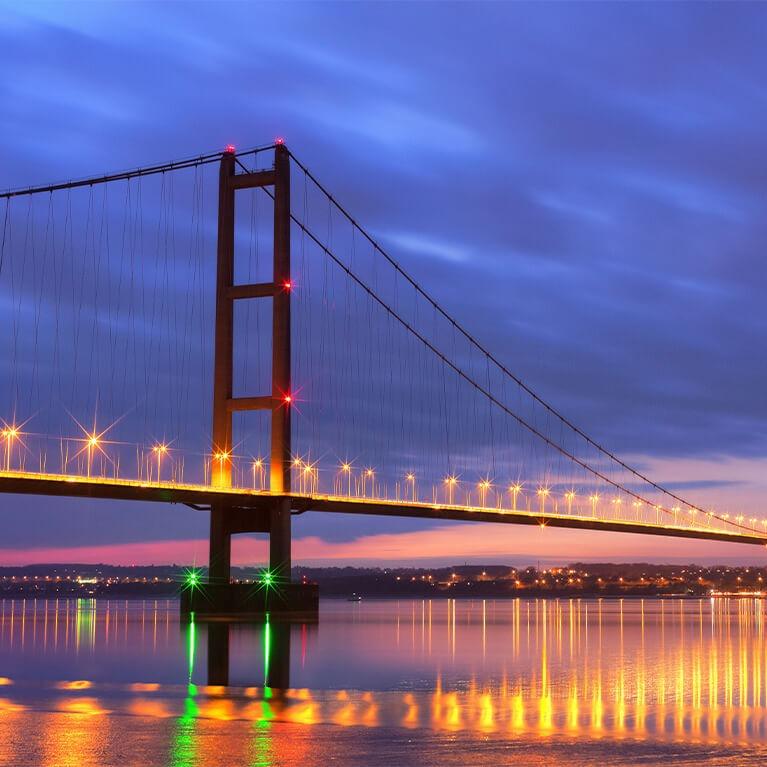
(241,502)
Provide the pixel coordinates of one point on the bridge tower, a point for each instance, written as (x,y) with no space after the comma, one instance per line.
(220,598)
(225,518)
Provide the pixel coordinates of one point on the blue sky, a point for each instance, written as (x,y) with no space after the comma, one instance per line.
(581,184)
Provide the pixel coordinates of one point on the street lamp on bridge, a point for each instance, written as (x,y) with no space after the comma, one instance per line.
(484,485)
(346,468)
(450,482)
(543,494)
(160,450)
(258,470)
(10,434)
(410,477)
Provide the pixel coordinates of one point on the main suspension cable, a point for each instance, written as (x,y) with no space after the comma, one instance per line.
(483,390)
(472,340)
(150,170)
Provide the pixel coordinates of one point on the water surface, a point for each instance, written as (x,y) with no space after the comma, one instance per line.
(427,682)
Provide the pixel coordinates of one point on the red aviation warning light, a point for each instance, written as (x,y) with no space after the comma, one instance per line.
(229,149)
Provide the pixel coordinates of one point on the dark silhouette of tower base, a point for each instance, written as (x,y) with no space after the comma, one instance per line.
(276,642)
(219,596)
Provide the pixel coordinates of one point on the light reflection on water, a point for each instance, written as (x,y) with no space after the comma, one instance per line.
(690,671)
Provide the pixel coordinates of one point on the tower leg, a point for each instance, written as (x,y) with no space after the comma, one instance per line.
(279,540)
(220,557)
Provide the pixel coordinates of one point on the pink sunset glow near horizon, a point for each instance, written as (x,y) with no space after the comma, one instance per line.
(444,545)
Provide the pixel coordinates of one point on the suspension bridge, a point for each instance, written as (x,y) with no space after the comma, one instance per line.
(339,383)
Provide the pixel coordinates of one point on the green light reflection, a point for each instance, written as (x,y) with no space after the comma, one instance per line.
(262,744)
(267,655)
(184,746)
(191,646)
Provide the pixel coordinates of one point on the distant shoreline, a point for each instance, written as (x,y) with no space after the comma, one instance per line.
(573,581)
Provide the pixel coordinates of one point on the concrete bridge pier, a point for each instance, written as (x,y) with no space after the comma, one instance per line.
(220,545)
(270,591)
(227,520)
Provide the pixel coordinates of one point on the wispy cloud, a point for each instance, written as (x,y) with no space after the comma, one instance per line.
(424,246)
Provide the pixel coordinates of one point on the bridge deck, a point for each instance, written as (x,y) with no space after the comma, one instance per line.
(31,483)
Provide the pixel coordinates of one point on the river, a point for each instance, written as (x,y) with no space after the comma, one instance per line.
(390,682)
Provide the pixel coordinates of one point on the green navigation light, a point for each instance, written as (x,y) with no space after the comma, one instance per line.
(192,578)
(267,578)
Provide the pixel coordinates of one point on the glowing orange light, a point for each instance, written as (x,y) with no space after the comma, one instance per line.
(410,477)
(369,473)
(346,467)
(10,434)
(515,490)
